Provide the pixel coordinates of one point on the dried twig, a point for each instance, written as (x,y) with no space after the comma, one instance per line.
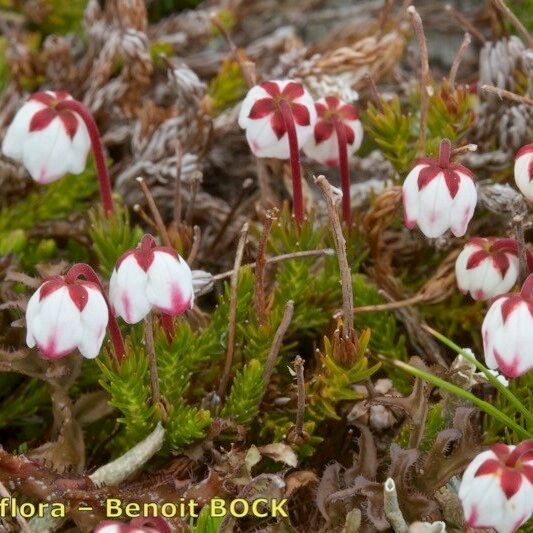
(246,184)
(465,24)
(260,299)
(340,246)
(299,369)
(460,150)
(374,91)
(391,305)
(195,185)
(162,230)
(177,186)
(518,223)
(458,58)
(233,312)
(279,259)
(196,239)
(278,339)
(424,74)
(146,218)
(502,6)
(503,93)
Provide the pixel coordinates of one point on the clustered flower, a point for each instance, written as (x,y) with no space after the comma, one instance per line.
(497,488)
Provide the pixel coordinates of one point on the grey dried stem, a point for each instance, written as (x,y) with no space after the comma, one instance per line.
(465,24)
(260,299)
(158,219)
(503,93)
(340,246)
(392,508)
(232,326)
(518,223)
(374,92)
(196,180)
(458,59)
(276,343)
(425,81)
(502,6)
(300,382)
(177,186)
(196,239)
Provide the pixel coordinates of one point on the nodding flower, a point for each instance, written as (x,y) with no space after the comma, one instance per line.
(523,171)
(439,195)
(279,117)
(150,277)
(507,332)
(497,488)
(338,133)
(51,135)
(488,267)
(67,312)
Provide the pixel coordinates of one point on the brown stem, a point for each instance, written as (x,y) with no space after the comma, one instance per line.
(152,360)
(98,152)
(279,259)
(196,239)
(502,93)
(232,328)
(276,343)
(340,246)
(424,74)
(195,185)
(465,24)
(260,299)
(81,269)
(246,184)
(501,5)
(162,230)
(389,306)
(144,215)
(374,92)
(458,59)
(299,369)
(296,171)
(177,186)
(460,150)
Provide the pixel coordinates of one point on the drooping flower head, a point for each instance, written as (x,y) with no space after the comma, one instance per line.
(497,488)
(149,277)
(508,332)
(332,114)
(488,267)
(262,116)
(47,141)
(523,171)
(67,312)
(439,195)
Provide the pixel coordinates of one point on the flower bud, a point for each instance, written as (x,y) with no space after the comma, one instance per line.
(438,196)
(149,277)
(487,267)
(497,488)
(523,171)
(508,332)
(48,142)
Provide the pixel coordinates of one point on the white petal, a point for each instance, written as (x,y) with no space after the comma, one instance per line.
(19,129)
(170,287)
(32,310)
(127,291)
(325,152)
(94,318)
(411,197)
(521,175)
(464,205)
(492,323)
(79,148)
(264,142)
(254,94)
(435,207)
(56,327)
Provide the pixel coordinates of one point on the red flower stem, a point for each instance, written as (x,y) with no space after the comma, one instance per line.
(297,201)
(344,170)
(98,152)
(168,326)
(81,269)
(445,151)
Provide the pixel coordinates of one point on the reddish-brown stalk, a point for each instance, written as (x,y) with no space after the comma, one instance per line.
(297,194)
(98,152)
